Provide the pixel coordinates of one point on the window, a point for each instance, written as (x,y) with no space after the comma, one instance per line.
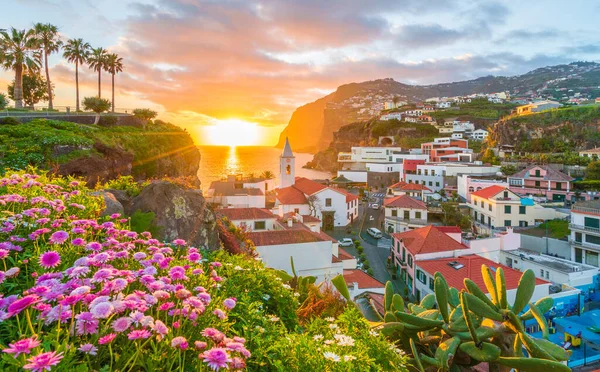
(433,172)
(592,222)
(407,215)
(431,283)
(418,215)
(490,207)
(507,209)
(578,237)
(505,194)
(537,172)
(547,274)
(542,273)
(482,204)
(591,258)
(421,277)
(403,254)
(410,260)
(260,225)
(592,239)
(394,213)
(507,223)
(537,183)
(578,255)
(430,183)
(288,169)
(437,184)
(559,186)
(522,209)
(297,210)
(328,202)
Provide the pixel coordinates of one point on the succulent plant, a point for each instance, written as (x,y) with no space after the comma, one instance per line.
(449,329)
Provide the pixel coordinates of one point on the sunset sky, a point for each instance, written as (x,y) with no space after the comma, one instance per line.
(248,64)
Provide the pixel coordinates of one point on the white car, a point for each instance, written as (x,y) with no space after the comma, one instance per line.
(374,232)
(375,206)
(346,242)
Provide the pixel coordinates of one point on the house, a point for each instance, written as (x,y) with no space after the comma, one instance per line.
(591,153)
(381,175)
(542,180)
(445,147)
(414,190)
(404,213)
(420,244)
(240,192)
(445,130)
(479,135)
(498,207)
(456,269)
(359,282)
(537,106)
(438,176)
(391,115)
(468,184)
(585,232)
(457,135)
(443,105)
(251,219)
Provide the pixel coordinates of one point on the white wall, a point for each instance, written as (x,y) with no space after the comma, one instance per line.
(338,205)
(240,201)
(269,224)
(354,176)
(286,208)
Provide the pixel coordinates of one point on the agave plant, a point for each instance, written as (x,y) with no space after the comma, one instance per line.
(451,330)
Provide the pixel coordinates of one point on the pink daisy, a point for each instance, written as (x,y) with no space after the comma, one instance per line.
(59,237)
(106,339)
(23,346)
(140,333)
(216,358)
(49,259)
(43,361)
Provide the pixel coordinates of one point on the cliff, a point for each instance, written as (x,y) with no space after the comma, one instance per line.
(311,126)
(99,153)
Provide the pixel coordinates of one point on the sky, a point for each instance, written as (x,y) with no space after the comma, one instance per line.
(209,65)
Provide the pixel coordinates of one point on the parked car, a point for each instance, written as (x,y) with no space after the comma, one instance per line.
(375,206)
(374,232)
(346,242)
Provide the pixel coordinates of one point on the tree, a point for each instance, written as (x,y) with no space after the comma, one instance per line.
(145,115)
(76,50)
(114,65)
(489,157)
(19,51)
(47,37)
(268,175)
(3,101)
(97,105)
(97,62)
(34,89)
(593,171)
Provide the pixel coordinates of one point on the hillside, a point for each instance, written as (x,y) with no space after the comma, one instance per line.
(99,153)
(359,101)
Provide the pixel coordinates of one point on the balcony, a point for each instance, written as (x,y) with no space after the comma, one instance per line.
(584,228)
(585,245)
(344,157)
(406,221)
(576,208)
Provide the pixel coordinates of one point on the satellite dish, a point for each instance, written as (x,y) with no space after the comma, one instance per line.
(436,196)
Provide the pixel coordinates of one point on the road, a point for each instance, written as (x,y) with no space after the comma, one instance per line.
(376,250)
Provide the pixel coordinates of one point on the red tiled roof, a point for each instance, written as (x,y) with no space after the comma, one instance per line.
(489,192)
(245,213)
(472,270)
(377,300)
(343,255)
(409,186)
(279,237)
(449,229)
(291,195)
(308,218)
(334,259)
(307,186)
(363,279)
(404,201)
(428,239)
(349,196)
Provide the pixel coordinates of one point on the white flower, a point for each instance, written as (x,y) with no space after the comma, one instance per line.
(328,342)
(260,329)
(332,326)
(344,340)
(266,297)
(273,318)
(238,268)
(286,286)
(330,319)
(348,358)
(278,278)
(317,337)
(331,356)
(373,333)
(296,294)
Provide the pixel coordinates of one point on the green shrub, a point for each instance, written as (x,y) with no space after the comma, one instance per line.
(9,121)
(3,101)
(125,183)
(144,221)
(108,120)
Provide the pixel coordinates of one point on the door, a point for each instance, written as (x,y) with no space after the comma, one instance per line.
(328,221)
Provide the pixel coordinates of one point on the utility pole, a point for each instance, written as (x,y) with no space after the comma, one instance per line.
(546,223)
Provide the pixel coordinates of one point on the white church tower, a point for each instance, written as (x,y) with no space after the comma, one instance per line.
(287,166)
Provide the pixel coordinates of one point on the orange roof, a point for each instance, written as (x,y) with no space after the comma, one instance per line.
(308,218)
(489,192)
(428,239)
(334,259)
(280,237)
(343,255)
(409,186)
(449,229)
(307,186)
(245,213)
(291,195)
(404,201)
(377,300)
(471,269)
(363,279)
(349,196)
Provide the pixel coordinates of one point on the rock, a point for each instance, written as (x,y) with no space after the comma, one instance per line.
(112,205)
(122,197)
(179,212)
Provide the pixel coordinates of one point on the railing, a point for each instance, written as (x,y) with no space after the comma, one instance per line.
(585,209)
(586,228)
(407,221)
(58,111)
(584,244)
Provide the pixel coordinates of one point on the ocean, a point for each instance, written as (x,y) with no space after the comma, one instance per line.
(219,161)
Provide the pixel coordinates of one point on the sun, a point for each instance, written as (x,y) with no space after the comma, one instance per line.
(233,132)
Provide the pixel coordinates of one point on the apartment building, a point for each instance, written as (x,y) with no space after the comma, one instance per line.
(585,232)
(447,149)
(542,180)
(438,176)
(404,213)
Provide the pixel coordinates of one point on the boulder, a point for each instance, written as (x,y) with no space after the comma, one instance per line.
(180,213)
(111,204)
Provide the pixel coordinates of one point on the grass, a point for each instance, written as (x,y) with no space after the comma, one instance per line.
(557,229)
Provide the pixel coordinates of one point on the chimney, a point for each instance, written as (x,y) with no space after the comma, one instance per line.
(290,222)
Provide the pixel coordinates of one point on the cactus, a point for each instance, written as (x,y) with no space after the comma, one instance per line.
(451,330)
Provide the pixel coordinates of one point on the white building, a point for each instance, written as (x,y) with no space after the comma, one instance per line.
(239,192)
(404,213)
(479,135)
(287,166)
(251,219)
(391,115)
(585,232)
(437,176)
(359,282)
(443,105)
(463,126)
(467,184)
(358,158)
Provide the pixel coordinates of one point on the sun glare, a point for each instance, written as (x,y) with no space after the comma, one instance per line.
(233,132)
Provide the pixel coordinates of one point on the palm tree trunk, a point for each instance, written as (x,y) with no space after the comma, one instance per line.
(18,86)
(77,85)
(113,92)
(50,106)
(99,84)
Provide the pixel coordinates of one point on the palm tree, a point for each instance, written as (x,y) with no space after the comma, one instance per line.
(267,174)
(97,62)
(47,36)
(114,65)
(76,50)
(20,52)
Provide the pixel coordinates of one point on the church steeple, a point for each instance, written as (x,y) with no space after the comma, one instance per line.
(287,166)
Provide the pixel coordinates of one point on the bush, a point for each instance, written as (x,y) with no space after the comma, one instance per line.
(108,120)
(9,121)
(370,271)
(125,183)
(587,185)
(3,101)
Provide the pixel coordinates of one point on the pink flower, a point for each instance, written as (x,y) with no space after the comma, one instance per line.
(238,363)
(86,323)
(213,334)
(22,304)
(220,314)
(216,358)
(179,342)
(229,303)
(179,242)
(49,259)
(121,324)
(78,242)
(43,361)
(106,339)
(102,310)
(200,345)
(59,237)
(23,346)
(88,349)
(160,328)
(140,333)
